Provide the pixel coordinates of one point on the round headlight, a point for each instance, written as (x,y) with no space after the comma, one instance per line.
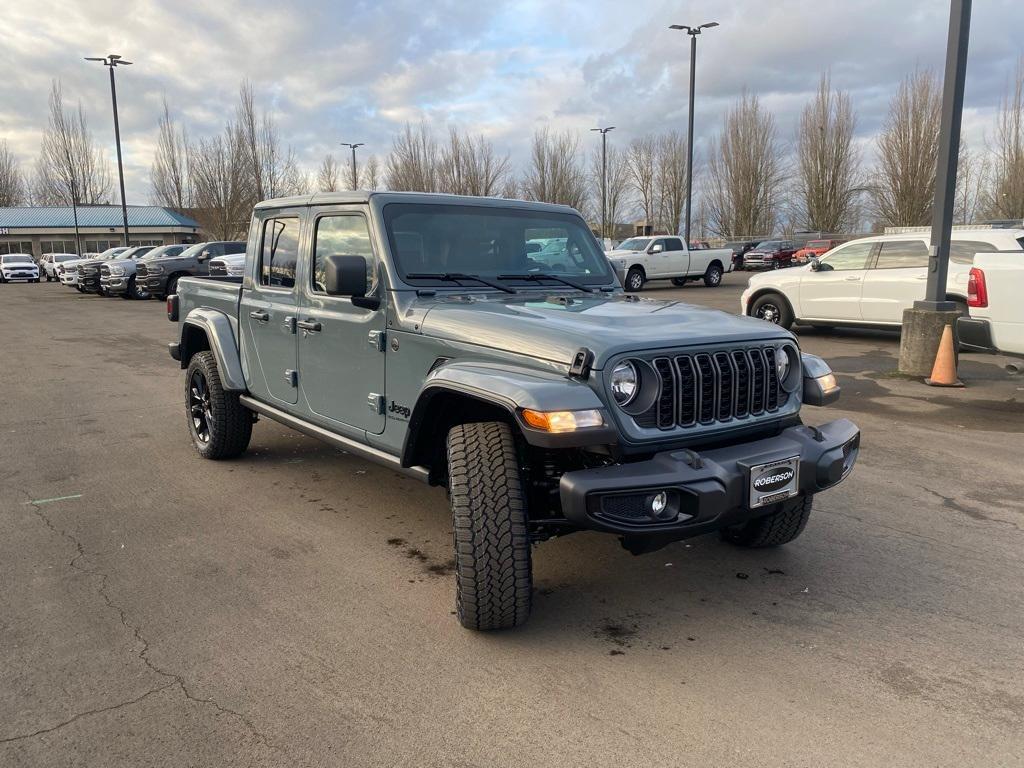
(625,382)
(782,363)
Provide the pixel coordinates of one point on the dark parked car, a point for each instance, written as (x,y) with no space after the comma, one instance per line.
(739,249)
(770,254)
(89,271)
(160,276)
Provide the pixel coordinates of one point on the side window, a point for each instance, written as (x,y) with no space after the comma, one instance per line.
(342,235)
(215,250)
(853,256)
(902,254)
(279,252)
(673,244)
(660,241)
(962,251)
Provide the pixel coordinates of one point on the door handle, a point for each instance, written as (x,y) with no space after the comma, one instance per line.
(260,315)
(313,326)
(851,279)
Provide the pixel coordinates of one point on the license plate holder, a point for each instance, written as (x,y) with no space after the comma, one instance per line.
(773,482)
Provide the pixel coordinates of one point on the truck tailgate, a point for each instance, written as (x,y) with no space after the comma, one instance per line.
(1004,281)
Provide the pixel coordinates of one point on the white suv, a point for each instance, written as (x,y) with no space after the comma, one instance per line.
(18,266)
(49,262)
(869,281)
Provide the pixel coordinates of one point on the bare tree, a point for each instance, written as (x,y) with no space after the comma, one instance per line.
(413,163)
(745,176)
(1005,199)
(643,172)
(327,176)
(222,183)
(972,177)
(273,168)
(904,182)
(469,166)
(12,183)
(555,174)
(670,180)
(828,176)
(369,174)
(69,163)
(511,189)
(618,184)
(169,176)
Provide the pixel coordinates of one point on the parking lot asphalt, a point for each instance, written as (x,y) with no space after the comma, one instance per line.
(293,607)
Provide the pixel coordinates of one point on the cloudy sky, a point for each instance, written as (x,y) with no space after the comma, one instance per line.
(337,70)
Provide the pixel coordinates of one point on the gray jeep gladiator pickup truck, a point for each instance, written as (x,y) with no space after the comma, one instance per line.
(416,330)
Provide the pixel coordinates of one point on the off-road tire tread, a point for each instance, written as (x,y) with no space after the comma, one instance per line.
(493,574)
(775,529)
(232,427)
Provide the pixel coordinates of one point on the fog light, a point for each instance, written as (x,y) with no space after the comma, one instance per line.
(658,503)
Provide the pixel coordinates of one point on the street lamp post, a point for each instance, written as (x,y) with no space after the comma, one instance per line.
(355,175)
(110,61)
(74,209)
(604,178)
(692,32)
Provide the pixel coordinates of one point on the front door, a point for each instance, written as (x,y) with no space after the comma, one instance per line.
(268,309)
(341,346)
(896,281)
(833,292)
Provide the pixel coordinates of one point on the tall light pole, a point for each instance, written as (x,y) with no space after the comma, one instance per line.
(355,175)
(604,178)
(692,32)
(110,61)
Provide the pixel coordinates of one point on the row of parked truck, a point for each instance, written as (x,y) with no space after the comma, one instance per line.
(140,272)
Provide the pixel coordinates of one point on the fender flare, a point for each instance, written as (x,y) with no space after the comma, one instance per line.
(220,337)
(510,389)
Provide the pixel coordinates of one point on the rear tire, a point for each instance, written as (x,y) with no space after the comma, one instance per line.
(713,276)
(172,285)
(635,280)
(773,530)
(220,426)
(493,569)
(773,308)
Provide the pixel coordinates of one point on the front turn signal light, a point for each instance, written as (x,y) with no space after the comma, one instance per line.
(562,421)
(827,383)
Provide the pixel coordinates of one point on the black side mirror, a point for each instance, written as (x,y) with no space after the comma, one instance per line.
(346,276)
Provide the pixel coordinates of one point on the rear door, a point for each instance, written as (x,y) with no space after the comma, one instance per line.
(834,291)
(341,346)
(896,280)
(269,305)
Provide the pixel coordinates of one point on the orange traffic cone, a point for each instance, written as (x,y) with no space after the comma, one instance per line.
(944,370)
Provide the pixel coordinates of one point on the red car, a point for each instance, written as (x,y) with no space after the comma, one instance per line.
(813,249)
(770,254)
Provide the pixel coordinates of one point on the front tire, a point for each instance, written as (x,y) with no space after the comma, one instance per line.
(780,527)
(713,277)
(635,280)
(220,426)
(773,308)
(493,569)
(679,282)
(134,291)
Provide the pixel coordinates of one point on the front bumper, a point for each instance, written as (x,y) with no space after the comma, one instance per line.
(20,275)
(67,279)
(709,491)
(114,284)
(156,284)
(975,334)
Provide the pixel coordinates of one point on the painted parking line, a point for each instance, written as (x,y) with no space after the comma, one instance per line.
(51,501)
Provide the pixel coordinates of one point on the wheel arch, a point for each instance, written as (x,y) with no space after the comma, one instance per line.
(771,290)
(208,329)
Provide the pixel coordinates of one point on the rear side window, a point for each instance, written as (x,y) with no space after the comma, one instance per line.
(962,251)
(279,252)
(900,254)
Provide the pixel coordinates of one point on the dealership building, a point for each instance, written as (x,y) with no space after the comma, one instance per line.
(52,229)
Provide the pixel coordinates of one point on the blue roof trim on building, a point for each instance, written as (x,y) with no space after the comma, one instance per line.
(93,216)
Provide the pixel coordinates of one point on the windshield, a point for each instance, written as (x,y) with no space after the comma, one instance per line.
(817,244)
(768,245)
(429,239)
(65,257)
(195,250)
(111,253)
(16,258)
(634,244)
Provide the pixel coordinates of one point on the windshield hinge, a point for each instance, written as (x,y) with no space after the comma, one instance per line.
(581,362)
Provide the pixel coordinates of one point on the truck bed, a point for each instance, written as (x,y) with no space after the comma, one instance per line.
(221,294)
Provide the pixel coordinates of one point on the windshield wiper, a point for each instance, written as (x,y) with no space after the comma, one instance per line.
(455,277)
(534,276)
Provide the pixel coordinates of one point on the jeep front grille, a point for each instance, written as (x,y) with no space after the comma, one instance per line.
(713,387)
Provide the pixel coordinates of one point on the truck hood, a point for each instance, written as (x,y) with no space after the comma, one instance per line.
(620,254)
(554,326)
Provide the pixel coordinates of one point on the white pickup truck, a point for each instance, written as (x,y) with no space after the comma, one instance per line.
(665,257)
(994,290)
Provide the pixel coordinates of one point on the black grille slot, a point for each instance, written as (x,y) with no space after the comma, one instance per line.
(141,270)
(707,388)
(687,391)
(105,270)
(666,400)
(714,387)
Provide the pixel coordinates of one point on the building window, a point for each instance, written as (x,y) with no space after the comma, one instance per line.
(16,247)
(99,246)
(58,246)
(147,242)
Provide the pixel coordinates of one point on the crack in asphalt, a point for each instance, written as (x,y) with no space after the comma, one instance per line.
(174,679)
(950,503)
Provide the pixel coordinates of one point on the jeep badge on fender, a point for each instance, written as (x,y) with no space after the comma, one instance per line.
(529,384)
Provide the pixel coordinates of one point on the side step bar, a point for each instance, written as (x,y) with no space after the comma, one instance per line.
(332,438)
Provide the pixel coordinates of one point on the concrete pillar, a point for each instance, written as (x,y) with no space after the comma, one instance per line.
(919,340)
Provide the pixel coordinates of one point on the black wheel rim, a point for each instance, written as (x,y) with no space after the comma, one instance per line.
(769,312)
(199,407)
